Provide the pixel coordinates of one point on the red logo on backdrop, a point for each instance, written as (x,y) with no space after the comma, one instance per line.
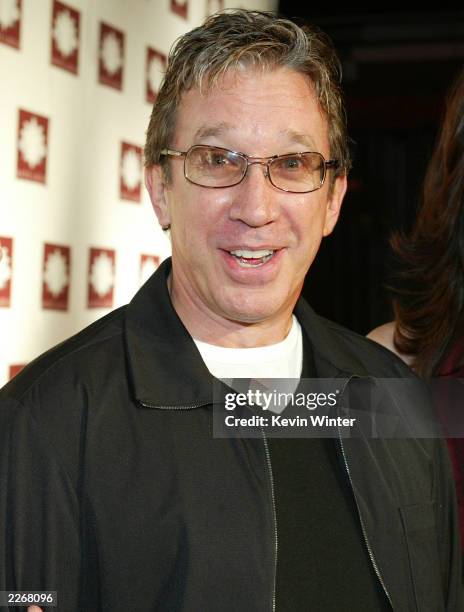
(6,270)
(130,172)
(155,68)
(180,7)
(111,56)
(65,37)
(214,6)
(100,286)
(15,369)
(148,264)
(32,146)
(10,22)
(56,276)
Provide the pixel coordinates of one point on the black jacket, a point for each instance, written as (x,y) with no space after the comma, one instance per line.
(115,493)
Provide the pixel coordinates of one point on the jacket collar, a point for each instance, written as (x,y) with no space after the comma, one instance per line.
(332,344)
(166,368)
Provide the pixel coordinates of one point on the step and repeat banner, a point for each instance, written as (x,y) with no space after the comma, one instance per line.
(78,235)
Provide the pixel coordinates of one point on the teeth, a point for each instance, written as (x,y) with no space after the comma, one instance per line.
(251,254)
(252,259)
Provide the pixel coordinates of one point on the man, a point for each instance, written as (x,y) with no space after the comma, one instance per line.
(116,493)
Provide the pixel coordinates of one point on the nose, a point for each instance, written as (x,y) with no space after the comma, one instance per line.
(256,201)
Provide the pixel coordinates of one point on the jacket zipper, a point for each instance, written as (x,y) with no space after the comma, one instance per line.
(363,527)
(274,516)
(173,407)
(274,513)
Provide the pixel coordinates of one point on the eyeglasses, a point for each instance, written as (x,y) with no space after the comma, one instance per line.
(215,167)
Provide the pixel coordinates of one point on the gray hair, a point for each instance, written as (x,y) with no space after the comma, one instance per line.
(241,39)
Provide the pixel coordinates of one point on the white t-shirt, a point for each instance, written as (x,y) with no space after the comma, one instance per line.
(281,360)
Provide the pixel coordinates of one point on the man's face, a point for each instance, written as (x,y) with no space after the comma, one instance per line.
(260,114)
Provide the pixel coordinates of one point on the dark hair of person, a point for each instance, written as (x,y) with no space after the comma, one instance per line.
(428,298)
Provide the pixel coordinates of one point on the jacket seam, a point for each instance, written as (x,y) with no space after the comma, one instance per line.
(34,383)
(412,578)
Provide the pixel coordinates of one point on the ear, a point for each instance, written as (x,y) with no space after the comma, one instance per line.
(156,187)
(334,204)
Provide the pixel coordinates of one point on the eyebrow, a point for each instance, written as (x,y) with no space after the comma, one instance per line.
(206,131)
(299,138)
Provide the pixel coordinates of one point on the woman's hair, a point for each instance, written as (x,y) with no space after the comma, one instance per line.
(237,40)
(428,298)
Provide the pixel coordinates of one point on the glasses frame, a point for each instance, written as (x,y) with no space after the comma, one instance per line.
(250,161)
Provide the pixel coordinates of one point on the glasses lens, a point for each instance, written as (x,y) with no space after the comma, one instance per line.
(299,172)
(214,166)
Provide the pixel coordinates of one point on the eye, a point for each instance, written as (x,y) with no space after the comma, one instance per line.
(217,159)
(292,163)
(289,164)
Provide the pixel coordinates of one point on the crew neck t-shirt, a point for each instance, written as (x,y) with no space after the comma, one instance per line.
(281,360)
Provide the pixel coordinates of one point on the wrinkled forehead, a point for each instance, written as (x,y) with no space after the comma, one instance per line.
(281,100)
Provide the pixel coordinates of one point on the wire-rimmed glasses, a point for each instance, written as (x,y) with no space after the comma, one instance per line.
(216,167)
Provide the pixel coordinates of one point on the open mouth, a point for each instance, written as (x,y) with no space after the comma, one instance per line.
(252,259)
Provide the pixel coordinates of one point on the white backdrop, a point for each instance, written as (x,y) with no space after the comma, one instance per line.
(77,232)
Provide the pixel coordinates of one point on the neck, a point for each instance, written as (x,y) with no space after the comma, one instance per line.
(210,327)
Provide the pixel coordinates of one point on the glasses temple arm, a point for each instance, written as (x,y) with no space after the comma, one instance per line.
(172,153)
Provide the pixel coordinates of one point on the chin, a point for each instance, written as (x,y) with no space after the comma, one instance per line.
(250,308)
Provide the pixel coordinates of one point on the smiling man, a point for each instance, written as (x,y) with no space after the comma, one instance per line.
(245,227)
(115,492)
